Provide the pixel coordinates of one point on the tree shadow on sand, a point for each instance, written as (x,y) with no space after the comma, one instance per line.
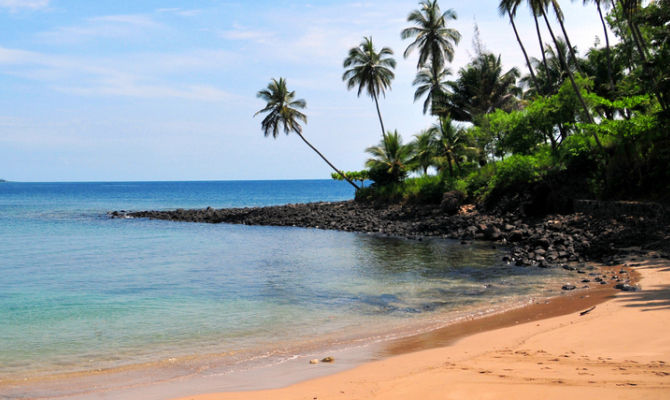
(652,298)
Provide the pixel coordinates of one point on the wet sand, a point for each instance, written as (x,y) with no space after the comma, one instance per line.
(620,349)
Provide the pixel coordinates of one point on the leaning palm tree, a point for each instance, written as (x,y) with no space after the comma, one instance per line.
(553,77)
(600,4)
(561,19)
(509,7)
(567,70)
(370,71)
(432,38)
(283,111)
(390,157)
(431,82)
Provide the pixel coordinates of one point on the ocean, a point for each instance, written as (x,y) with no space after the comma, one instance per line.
(82,293)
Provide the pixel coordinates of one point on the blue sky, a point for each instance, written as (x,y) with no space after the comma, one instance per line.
(165,90)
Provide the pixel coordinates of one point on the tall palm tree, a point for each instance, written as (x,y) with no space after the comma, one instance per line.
(390,156)
(283,112)
(432,38)
(630,8)
(509,8)
(571,76)
(599,6)
(431,82)
(559,16)
(370,71)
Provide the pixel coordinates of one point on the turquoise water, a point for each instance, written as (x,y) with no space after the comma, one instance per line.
(80,291)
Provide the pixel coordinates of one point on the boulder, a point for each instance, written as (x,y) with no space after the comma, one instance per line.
(452,201)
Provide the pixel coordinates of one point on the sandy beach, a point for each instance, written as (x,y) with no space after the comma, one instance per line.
(619,350)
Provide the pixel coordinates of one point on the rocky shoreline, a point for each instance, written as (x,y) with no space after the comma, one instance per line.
(566,241)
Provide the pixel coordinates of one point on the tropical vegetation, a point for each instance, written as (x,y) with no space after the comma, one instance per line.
(591,123)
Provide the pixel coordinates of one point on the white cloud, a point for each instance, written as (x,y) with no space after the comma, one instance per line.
(108,26)
(16,5)
(141,76)
(128,87)
(243,33)
(180,12)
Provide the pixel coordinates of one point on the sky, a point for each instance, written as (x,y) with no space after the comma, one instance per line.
(124,90)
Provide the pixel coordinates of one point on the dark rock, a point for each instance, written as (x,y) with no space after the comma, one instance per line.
(515,236)
(451,202)
(569,286)
(625,287)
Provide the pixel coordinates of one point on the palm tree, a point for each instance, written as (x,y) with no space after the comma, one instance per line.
(554,75)
(566,68)
(481,88)
(425,144)
(430,82)
(390,157)
(559,16)
(431,36)
(599,4)
(509,7)
(630,8)
(283,111)
(449,140)
(370,71)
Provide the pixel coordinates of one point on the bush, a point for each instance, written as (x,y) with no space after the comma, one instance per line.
(424,190)
(421,190)
(381,175)
(514,170)
(476,184)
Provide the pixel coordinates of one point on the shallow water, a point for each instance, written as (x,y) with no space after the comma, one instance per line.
(81,292)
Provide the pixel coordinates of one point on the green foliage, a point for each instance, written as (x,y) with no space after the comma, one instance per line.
(516,169)
(360,176)
(602,132)
(425,189)
(481,88)
(369,70)
(281,109)
(515,132)
(476,184)
(422,190)
(432,38)
(390,160)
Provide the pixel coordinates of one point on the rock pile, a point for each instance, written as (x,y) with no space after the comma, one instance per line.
(543,242)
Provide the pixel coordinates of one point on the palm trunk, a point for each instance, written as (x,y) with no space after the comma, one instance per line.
(525,55)
(379,114)
(544,56)
(572,79)
(327,162)
(607,44)
(451,169)
(639,43)
(567,39)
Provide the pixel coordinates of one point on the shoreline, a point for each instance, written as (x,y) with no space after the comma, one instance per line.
(620,348)
(153,380)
